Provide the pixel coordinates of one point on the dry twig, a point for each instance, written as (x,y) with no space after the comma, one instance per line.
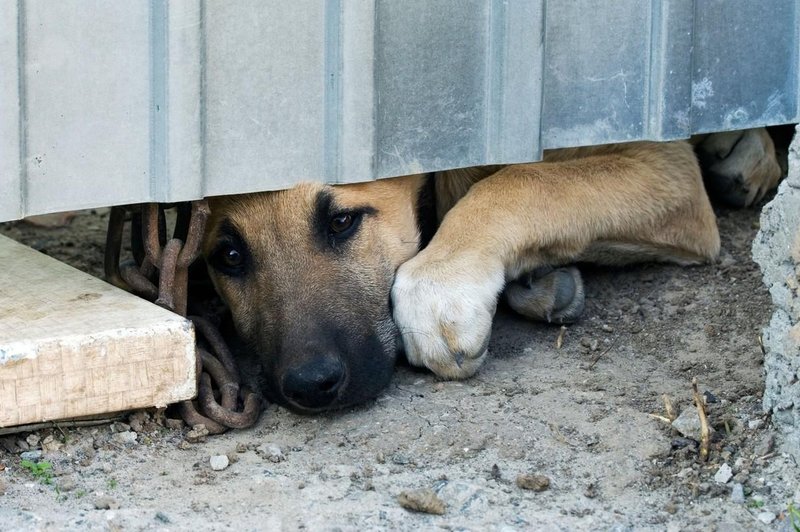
(705,433)
(668,408)
(560,338)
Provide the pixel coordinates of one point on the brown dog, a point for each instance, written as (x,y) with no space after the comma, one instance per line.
(326,284)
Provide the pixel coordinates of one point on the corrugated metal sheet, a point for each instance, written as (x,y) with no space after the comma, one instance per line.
(106,103)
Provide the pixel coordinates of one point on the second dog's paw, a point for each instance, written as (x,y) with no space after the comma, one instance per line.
(547,294)
(739,167)
(444,310)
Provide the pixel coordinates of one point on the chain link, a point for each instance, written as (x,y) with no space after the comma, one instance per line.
(159,272)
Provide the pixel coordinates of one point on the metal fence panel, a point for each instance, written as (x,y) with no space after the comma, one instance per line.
(105,103)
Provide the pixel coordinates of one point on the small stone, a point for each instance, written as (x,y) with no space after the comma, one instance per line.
(184,445)
(119,426)
(32,440)
(422,500)
(400,459)
(671,508)
(741,477)
(271,452)
(105,503)
(137,420)
(66,484)
(219,462)
(8,445)
(3,487)
(174,424)
(591,491)
(198,434)
(106,468)
(33,456)
(126,437)
(241,447)
(688,423)
(723,474)
(163,518)
(755,424)
(50,444)
(766,517)
(765,445)
(533,482)
(709,398)
(607,328)
(737,494)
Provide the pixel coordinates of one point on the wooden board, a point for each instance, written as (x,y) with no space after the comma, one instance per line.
(72,345)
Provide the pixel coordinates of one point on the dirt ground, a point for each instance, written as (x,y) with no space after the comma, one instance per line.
(579,415)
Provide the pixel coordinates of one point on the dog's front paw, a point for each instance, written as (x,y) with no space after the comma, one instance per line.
(444,310)
(739,167)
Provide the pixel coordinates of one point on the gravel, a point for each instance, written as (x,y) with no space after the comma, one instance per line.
(723,474)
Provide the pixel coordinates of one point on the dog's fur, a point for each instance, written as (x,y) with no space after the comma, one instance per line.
(326,284)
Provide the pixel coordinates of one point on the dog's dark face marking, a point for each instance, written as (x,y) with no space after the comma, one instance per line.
(307,275)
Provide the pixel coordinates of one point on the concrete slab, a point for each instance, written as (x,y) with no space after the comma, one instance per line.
(72,345)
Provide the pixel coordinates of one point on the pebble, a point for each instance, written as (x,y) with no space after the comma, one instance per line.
(755,424)
(422,500)
(271,452)
(533,482)
(607,328)
(137,420)
(31,455)
(219,462)
(3,487)
(723,474)
(688,423)
(66,484)
(105,503)
(198,434)
(766,517)
(8,444)
(119,426)
(126,437)
(32,440)
(50,444)
(174,424)
(765,444)
(737,494)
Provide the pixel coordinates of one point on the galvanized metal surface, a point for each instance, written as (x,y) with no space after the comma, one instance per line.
(103,103)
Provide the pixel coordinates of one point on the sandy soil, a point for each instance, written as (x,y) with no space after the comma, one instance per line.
(578,414)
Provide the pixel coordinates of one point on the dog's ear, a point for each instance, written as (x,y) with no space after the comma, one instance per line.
(426,210)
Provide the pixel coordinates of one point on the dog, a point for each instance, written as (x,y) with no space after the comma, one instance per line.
(327,285)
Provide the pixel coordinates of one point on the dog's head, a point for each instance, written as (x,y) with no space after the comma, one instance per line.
(307,276)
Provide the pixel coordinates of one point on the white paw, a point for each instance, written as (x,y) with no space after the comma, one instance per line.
(444,310)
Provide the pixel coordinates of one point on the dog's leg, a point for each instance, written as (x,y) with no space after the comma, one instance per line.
(646,199)
(554,295)
(739,167)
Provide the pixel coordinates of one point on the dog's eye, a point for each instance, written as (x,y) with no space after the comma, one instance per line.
(342,225)
(229,259)
(232,258)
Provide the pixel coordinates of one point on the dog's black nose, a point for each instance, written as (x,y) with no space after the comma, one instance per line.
(315,384)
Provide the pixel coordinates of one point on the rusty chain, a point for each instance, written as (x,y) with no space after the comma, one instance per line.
(159,272)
